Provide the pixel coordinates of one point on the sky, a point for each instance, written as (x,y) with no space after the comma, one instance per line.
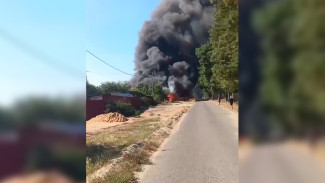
(42,47)
(112,35)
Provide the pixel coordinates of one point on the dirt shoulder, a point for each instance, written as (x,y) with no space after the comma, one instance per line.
(116,150)
(233,113)
(224,104)
(162,111)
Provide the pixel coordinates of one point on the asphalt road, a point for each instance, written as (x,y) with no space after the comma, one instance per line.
(280,163)
(203,150)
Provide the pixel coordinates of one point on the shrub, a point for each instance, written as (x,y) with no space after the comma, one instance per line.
(111,107)
(137,112)
(146,102)
(159,94)
(123,108)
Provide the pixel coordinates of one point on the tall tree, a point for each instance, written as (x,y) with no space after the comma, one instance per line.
(91,90)
(219,58)
(224,40)
(293,62)
(108,87)
(156,91)
(208,84)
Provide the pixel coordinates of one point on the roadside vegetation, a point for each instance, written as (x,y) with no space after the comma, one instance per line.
(116,153)
(126,148)
(156,91)
(293,68)
(106,88)
(122,108)
(219,57)
(103,147)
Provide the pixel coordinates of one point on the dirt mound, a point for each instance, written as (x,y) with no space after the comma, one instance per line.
(39,177)
(109,118)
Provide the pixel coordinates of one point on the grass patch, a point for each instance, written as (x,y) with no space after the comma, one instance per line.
(165,103)
(123,172)
(106,146)
(142,138)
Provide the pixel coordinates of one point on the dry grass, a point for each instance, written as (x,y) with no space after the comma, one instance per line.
(124,171)
(108,156)
(104,147)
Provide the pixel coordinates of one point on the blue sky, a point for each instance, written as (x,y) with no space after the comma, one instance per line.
(43,44)
(112,35)
(42,48)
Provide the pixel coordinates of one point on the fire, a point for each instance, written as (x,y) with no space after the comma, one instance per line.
(172,97)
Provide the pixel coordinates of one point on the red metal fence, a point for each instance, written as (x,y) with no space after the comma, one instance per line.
(97,107)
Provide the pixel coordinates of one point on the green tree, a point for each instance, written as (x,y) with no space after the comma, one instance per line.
(293,64)
(224,40)
(159,94)
(144,89)
(156,91)
(204,54)
(91,90)
(219,58)
(38,110)
(108,87)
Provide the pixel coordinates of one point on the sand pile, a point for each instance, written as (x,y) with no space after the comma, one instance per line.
(109,118)
(39,177)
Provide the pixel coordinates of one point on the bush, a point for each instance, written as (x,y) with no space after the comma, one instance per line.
(159,95)
(154,103)
(126,109)
(137,112)
(123,108)
(111,107)
(146,102)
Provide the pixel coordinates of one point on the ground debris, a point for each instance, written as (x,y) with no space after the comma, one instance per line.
(133,148)
(171,121)
(39,177)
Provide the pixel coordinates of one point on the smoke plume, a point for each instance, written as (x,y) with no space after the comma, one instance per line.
(167,43)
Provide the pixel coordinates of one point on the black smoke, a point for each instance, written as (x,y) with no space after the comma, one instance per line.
(167,43)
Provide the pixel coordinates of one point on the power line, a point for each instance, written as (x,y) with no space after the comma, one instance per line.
(40,56)
(108,64)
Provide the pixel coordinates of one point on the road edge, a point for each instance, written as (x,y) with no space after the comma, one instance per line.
(154,155)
